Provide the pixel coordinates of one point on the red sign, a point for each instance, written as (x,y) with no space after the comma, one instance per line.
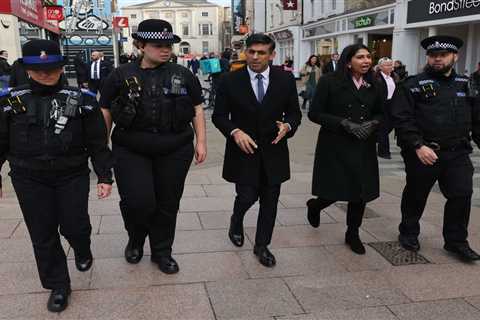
(120,22)
(30,11)
(289,4)
(55,13)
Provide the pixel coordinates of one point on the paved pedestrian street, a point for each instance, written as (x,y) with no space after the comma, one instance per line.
(316,277)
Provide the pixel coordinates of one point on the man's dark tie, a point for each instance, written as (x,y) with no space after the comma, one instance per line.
(260,89)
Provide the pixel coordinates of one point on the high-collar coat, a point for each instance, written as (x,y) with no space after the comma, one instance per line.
(237,107)
(345,168)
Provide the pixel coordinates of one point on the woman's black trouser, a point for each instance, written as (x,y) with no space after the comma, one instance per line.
(51,200)
(150,188)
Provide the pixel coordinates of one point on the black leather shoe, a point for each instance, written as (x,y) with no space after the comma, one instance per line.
(166,264)
(84,262)
(58,300)
(385,156)
(235,233)
(264,255)
(133,253)
(409,243)
(313,214)
(354,242)
(463,251)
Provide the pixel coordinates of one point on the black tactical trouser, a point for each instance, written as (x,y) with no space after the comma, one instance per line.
(454,172)
(384,131)
(50,200)
(150,189)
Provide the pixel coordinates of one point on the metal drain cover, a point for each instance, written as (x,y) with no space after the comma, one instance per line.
(369,213)
(396,255)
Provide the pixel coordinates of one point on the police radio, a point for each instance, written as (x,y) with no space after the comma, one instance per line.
(134,88)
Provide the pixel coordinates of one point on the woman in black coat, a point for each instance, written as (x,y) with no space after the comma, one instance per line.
(348,106)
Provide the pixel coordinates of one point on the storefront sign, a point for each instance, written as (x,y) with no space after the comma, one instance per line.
(362,22)
(283,35)
(427,10)
(55,13)
(31,11)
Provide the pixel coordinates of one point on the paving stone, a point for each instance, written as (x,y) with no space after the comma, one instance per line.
(206,204)
(474,301)
(16,250)
(7,227)
(205,241)
(298,236)
(354,262)
(291,262)
(373,313)
(116,273)
(221,220)
(10,210)
(386,229)
(294,200)
(296,187)
(220,190)
(345,291)
(25,306)
(197,179)
(251,298)
(102,208)
(194,191)
(298,216)
(436,310)
(434,282)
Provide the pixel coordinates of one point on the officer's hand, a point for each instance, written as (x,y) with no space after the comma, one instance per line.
(283,129)
(244,142)
(200,152)
(427,156)
(103,190)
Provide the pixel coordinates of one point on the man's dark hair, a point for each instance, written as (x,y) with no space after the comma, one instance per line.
(260,38)
(3,51)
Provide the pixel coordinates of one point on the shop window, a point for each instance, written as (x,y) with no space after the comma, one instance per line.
(204,14)
(334,4)
(133,16)
(204,46)
(312,12)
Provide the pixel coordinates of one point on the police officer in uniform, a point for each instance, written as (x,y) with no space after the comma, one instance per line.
(47,133)
(436,116)
(153,104)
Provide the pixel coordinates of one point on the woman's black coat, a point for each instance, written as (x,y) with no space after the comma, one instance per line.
(345,168)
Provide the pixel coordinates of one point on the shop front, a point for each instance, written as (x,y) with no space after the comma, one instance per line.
(23,20)
(287,42)
(373,28)
(423,18)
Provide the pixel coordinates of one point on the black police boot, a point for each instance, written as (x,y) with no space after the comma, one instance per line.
(313,213)
(352,239)
(265,257)
(166,264)
(463,251)
(409,243)
(133,252)
(235,232)
(58,300)
(83,262)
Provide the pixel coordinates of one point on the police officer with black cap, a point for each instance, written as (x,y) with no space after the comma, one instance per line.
(153,104)
(436,115)
(47,133)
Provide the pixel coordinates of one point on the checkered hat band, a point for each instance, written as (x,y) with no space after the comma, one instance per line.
(444,46)
(148,35)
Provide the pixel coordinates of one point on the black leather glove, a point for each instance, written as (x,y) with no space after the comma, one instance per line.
(355,129)
(370,126)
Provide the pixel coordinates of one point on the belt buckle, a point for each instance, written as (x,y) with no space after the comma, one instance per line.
(434,146)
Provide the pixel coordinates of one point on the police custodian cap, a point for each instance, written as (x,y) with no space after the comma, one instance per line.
(442,44)
(155,30)
(41,55)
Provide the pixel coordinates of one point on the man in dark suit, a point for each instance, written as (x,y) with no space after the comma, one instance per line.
(99,70)
(257,109)
(331,66)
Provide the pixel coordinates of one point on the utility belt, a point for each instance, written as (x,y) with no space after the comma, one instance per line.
(454,145)
(66,163)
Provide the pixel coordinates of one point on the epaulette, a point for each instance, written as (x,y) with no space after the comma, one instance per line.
(88,93)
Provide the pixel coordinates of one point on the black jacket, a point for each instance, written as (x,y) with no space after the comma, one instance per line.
(5,68)
(28,138)
(345,168)
(18,75)
(328,68)
(237,107)
(429,108)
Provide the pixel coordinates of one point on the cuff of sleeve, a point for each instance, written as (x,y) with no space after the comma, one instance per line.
(105,180)
(233,131)
(289,126)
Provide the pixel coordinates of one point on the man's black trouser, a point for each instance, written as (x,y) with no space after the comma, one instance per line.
(454,173)
(51,200)
(150,188)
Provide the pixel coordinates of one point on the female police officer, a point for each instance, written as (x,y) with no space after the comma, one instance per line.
(152,103)
(47,132)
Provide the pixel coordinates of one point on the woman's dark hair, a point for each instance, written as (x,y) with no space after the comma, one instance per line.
(260,38)
(346,57)
(308,63)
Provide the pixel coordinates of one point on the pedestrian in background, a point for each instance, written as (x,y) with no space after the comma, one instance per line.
(349,107)
(310,74)
(5,69)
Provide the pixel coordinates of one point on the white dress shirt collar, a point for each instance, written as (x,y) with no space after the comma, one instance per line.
(253,74)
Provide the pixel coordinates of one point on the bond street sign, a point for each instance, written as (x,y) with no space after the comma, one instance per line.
(428,10)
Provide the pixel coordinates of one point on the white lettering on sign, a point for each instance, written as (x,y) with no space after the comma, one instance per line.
(451,6)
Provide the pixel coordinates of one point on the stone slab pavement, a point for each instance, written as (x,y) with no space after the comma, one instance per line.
(316,276)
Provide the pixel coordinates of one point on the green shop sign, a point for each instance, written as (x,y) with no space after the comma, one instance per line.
(362,22)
